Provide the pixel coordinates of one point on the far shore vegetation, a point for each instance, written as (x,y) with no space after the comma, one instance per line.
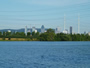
(47,36)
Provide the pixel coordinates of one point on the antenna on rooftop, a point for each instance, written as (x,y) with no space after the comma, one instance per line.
(64,20)
(78,23)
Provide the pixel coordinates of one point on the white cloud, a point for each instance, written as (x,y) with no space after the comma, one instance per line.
(54,2)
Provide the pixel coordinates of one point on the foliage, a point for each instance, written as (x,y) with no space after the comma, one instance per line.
(47,36)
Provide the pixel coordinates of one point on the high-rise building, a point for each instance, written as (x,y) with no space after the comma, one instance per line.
(71,30)
(42,29)
(25,30)
(57,30)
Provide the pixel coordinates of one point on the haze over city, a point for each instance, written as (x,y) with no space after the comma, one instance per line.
(16,14)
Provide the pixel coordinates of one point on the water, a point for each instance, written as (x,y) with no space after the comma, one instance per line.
(44,54)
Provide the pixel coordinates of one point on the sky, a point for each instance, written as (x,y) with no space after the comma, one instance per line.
(16,14)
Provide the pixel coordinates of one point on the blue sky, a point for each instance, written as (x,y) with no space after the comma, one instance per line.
(15,14)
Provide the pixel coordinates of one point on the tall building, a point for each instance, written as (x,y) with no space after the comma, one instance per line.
(71,30)
(25,30)
(57,30)
(42,29)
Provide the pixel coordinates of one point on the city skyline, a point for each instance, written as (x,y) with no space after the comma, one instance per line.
(50,13)
(42,30)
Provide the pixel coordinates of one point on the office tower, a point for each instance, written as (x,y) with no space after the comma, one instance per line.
(71,31)
(42,29)
(25,30)
(57,30)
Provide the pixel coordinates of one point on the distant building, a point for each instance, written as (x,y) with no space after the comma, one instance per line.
(9,30)
(42,29)
(89,33)
(65,32)
(74,33)
(85,32)
(25,30)
(28,31)
(57,30)
(71,30)
(33,29)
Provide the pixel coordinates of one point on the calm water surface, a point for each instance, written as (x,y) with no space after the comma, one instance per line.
(44,54)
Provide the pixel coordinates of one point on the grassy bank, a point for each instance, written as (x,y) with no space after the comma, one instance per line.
(18,39)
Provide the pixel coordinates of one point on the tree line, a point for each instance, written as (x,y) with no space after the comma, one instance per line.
(47,36)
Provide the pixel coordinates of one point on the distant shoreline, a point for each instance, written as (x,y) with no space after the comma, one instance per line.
(20,39)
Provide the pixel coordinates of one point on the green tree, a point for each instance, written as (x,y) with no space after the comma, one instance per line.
(33,33)
(50,31)
(4,34)
(47,36)
(0,33)
(43,37)
(28,34)
(8,33)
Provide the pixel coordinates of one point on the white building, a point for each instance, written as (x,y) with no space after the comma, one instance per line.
(9,30)
(89,33)
(33,29)
(57,30)
(28,31)
(65,32)
(25,30)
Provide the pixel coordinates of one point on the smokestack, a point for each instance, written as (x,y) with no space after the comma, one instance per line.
(64,21)
(78,23)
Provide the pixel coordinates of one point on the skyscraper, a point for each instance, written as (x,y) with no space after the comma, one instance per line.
(25,30)
(71,31)
(42,29)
